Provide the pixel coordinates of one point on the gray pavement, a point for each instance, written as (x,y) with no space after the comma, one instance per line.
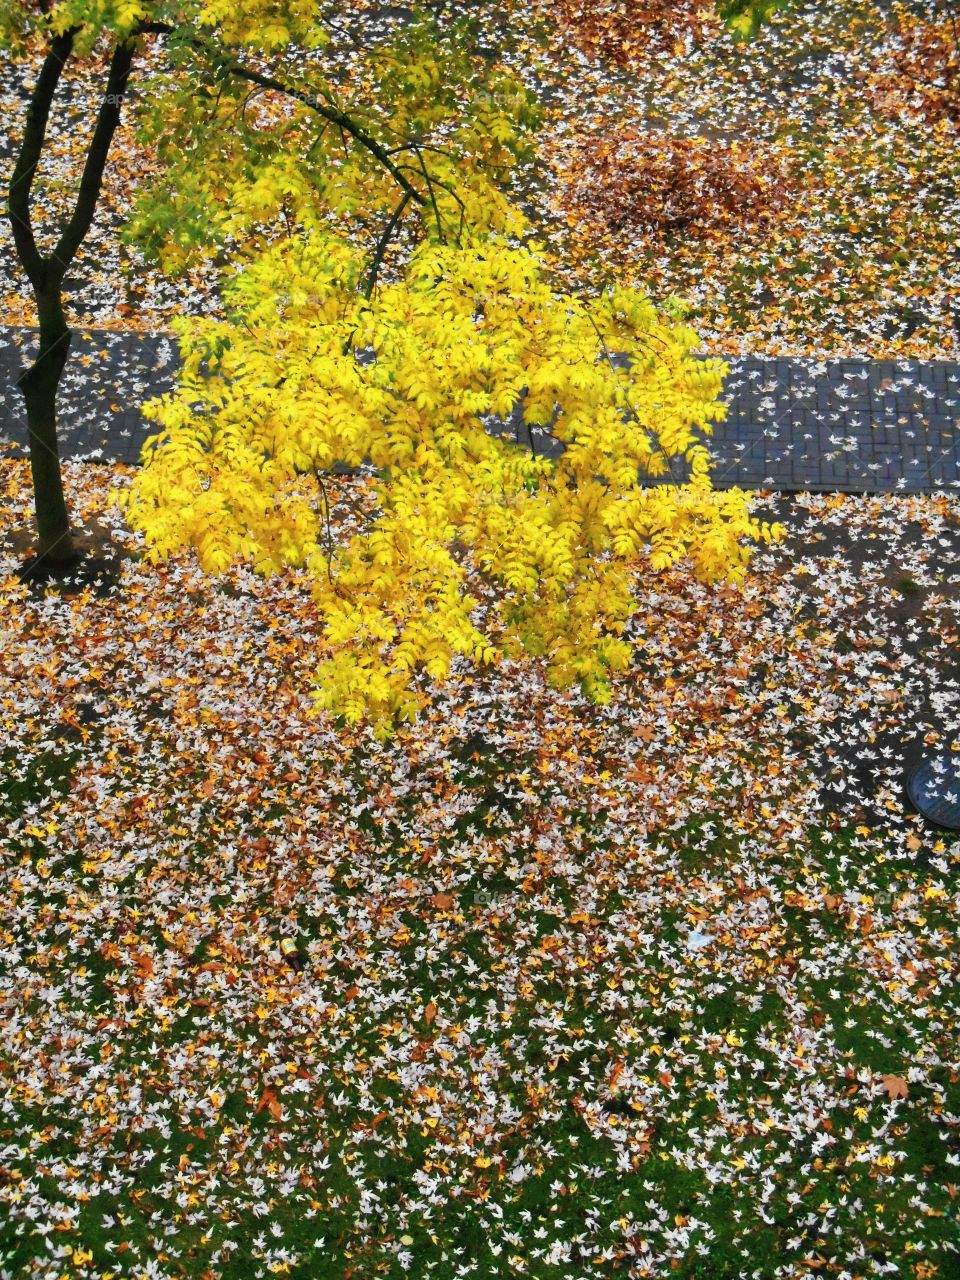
(846,425)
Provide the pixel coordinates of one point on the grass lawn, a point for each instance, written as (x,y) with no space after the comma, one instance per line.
(647,990)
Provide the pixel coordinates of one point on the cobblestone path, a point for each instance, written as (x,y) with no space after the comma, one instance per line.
(846,425)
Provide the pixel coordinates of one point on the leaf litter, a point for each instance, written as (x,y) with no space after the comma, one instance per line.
(586,991)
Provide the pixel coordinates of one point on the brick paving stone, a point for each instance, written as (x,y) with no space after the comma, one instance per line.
(849,425)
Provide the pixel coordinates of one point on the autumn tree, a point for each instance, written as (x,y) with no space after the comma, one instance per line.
(205,47)
(384,303)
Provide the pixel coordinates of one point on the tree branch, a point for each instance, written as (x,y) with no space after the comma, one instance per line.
(332,114)
(91,179)
(382,246)
(31,149)
(229,64)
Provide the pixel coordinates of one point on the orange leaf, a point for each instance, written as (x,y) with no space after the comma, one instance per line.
(270,1102)
(284,892)
(895,1086)
(430,1013)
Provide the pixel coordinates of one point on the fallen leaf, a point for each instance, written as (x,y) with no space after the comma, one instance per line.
(895,1086)
(270,1102)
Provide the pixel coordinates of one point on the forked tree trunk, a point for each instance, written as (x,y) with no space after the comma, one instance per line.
(40,384)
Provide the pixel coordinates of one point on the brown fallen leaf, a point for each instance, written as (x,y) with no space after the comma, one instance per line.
(430,1013)
(895,1086)
(443,901)
(270,1102)
(284,893)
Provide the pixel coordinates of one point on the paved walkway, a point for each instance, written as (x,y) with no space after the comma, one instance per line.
(848,425)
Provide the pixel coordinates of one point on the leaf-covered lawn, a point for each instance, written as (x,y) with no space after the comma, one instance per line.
(584,993)
(799,191)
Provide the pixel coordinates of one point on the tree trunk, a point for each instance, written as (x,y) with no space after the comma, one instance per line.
(39,384)
(56,548)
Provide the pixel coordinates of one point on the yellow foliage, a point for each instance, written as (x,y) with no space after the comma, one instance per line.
(470,546)
(307,373)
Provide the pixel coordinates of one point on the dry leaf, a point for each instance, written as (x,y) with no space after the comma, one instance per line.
(895,1086)
(270,1102)
(284,893)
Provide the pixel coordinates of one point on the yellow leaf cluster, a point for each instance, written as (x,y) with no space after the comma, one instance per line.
(474,545)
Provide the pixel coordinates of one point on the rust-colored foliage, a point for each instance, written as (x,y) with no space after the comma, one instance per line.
(920,73)
(617,31)
(667,184)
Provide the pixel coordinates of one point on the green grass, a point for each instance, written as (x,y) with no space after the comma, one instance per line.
(574,1161)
